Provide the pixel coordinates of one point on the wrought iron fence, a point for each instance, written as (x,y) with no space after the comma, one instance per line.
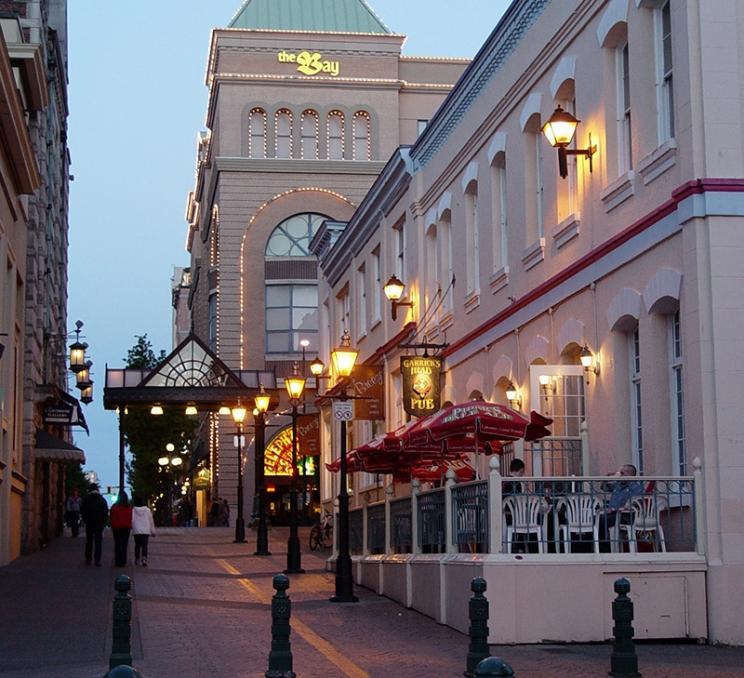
(376,528)
(400,518)
(431,521)
(356,531)
(470,517)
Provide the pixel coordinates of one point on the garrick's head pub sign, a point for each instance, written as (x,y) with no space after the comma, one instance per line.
(421,391)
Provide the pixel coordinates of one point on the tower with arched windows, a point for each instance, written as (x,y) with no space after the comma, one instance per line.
(303,111)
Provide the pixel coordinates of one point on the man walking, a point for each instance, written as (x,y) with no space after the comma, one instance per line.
(94,512)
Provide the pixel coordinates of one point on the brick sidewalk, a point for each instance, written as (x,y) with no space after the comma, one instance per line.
(202,608)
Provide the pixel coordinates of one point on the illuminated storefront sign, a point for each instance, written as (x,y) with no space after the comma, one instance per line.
(421,394)
(310,63)
(278,454)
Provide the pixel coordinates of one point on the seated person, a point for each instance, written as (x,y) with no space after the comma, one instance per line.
(516,470)
(621,494)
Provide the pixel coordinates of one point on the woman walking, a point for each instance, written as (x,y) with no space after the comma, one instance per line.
(121,524)
(143,527)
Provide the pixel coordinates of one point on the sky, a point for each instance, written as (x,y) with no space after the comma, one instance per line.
(137,101)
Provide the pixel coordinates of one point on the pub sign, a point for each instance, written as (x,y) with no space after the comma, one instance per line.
(421,393)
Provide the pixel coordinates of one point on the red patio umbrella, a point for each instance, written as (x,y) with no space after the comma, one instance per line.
(437,470)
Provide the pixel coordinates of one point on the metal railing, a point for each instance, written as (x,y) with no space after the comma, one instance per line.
(431,521)
(400,519)
(470,517)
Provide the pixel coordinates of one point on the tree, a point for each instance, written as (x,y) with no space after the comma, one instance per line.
(147,435)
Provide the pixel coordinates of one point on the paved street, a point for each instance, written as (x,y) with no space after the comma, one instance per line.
(202,608)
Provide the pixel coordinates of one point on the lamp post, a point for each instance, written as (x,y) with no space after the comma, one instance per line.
(169,462)
(344,358)
(295,385)
(259,416)
(238,415)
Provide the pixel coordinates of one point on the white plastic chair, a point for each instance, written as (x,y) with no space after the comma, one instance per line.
(527,517)
(582,516)
(646,520)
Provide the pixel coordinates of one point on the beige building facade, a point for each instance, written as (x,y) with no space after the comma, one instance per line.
(633,256)
(302,114)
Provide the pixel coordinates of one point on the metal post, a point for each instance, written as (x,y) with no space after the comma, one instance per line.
(280,656)
(262,535)
(478,631)
(121,647)
(344,579)
(121,448)
(623,661)
(294,556)
(239,522)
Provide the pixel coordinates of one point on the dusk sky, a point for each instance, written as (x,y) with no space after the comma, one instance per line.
(137,101)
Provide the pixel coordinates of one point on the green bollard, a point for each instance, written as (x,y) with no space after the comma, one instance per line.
(280,657)
(478,631)
(121,648)
(623,661)
(493,666)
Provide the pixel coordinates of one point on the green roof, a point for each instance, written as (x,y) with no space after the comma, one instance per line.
(342,16)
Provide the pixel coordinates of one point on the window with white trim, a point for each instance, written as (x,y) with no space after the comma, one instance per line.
(376,284)
(400,250)
(677,396)
(362,136)
(257,133)
(533,177)
(499,212)
(664,71)
(335,135)
(283,132)
(309,135)
(431,264)
(472,237)
(445,256)
(624,139)
(636,409)
(361,301)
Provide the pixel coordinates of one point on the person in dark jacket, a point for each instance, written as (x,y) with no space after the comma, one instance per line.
(94,512)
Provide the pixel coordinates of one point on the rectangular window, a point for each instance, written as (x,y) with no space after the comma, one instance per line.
(291,315)
(499,212)
(636,417)
(445,227)
(400,250)
(677,396)
(361,302)
(376,284)
(212,331)
(625,154)
(472,241)
(538,187)
(664,77)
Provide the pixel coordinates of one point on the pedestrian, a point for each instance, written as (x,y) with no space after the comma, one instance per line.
(143,527)
(214,512)
(72,512)
(121,526)
(225,513)
(94,512)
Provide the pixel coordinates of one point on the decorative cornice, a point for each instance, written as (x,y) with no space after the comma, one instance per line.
(295,165)
(490,58)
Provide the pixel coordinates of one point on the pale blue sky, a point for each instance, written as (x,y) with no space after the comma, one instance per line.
(137,101)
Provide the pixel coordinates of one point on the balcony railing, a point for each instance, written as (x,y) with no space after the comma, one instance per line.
(562,515)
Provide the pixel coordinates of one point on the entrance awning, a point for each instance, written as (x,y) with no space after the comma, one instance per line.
(52,448)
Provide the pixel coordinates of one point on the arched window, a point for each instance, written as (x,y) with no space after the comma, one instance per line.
(291,285)
(257,133)
(309,133)
(283,131)
(335,135)
(362,136)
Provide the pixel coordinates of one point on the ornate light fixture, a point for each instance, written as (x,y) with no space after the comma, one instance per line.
(588,360)
(77,350)
(559,130)
(512,395)
(295,384)
(262,400)
(82,376)
(344,356)
(394,291)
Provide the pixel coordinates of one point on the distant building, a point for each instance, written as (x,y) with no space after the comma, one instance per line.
(303,110)
(180,290)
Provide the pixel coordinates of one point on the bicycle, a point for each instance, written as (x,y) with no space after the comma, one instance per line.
(321,534)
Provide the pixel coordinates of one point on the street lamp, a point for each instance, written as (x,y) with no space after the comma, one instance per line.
(295,385)
(238,415)
(344,357)
(262,401)
(171,462)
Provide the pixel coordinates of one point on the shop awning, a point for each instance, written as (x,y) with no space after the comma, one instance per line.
(51,448)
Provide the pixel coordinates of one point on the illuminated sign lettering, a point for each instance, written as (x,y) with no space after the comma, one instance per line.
(310,63)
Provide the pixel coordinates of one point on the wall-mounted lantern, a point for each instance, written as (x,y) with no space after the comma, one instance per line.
(559,130)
